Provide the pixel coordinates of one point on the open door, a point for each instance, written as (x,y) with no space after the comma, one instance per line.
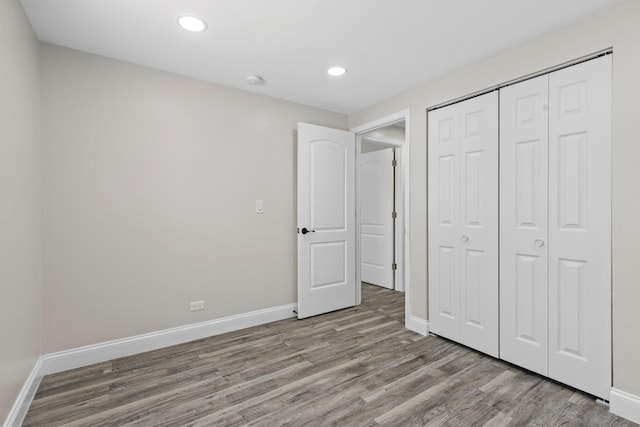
(376,217)
(326,220)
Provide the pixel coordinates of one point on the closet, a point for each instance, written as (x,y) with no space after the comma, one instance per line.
(548,299)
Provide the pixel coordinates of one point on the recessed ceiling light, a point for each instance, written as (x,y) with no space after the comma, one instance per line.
(336,71)
(192,23)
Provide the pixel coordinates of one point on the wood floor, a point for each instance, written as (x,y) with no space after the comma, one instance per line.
(355,367)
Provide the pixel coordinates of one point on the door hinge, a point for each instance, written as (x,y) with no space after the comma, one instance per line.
(394,266)
(394,215)
(394,163)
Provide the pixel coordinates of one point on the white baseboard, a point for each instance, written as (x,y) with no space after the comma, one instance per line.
(418,325)
(25,397)
(88,355)
(625,405)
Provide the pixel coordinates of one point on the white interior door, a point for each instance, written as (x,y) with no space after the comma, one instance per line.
(524,223)
(443,189)
(326,220)
(376,221)
(463,222)
(580,226)
(479,223)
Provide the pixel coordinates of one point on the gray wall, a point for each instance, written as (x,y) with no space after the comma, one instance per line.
(150,182)
(20,195)
(616,27)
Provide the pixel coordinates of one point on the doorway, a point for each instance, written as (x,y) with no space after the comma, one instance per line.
(389,132)
(329,264)
(378,210)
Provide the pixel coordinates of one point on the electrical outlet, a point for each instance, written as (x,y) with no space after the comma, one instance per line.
(197,305)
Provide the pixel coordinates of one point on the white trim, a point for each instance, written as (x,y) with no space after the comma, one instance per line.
(403,151)
(25,397)
(358,236)
(382,141)
(382,122)
(418,325)
(403,226)
(625,405)
(88,355)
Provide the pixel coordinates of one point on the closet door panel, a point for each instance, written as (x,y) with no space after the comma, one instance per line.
(524,223)
(479,223)
(444,223)
(580,226)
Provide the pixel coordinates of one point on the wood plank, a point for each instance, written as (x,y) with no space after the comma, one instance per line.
(353,367)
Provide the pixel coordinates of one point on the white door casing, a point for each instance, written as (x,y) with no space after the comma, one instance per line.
(376,222)
(524,223)
(326,207)
(463,222)
(580,226)
(402,275)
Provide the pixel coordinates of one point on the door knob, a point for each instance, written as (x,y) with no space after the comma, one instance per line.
(539,243)
(305,231)
(465,238)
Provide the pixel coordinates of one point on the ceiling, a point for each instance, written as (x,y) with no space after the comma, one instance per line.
(388,46)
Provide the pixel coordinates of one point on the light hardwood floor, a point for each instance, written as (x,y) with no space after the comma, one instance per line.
(354,367)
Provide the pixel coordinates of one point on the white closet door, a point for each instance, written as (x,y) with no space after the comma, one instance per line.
(463,222)
(580,226)
(443,221)
(479,223)
(524,223)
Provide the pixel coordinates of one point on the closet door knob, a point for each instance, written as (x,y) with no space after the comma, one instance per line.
(465,238)
(539,243)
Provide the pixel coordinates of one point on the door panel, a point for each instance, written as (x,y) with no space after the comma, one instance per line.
(328,264)
(376,221)
(473,174)
(479,228)
(526,316)
(580,226)
(463,222)
(329,185)
(571,317)
(523,222)
(572,181)
(444,229)
(472,314)
(447,287)
(447,180)
(326,206)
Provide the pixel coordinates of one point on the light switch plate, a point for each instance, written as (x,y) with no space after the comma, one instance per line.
(259,206)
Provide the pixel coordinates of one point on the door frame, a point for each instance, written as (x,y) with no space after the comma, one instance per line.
(402,274)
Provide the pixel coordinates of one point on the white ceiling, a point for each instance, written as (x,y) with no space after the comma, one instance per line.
(388,46)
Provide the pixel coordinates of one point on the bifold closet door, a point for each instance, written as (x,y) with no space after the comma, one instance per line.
(580,226)
(444,241)
(463,222)
(524,178)
(555,225)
